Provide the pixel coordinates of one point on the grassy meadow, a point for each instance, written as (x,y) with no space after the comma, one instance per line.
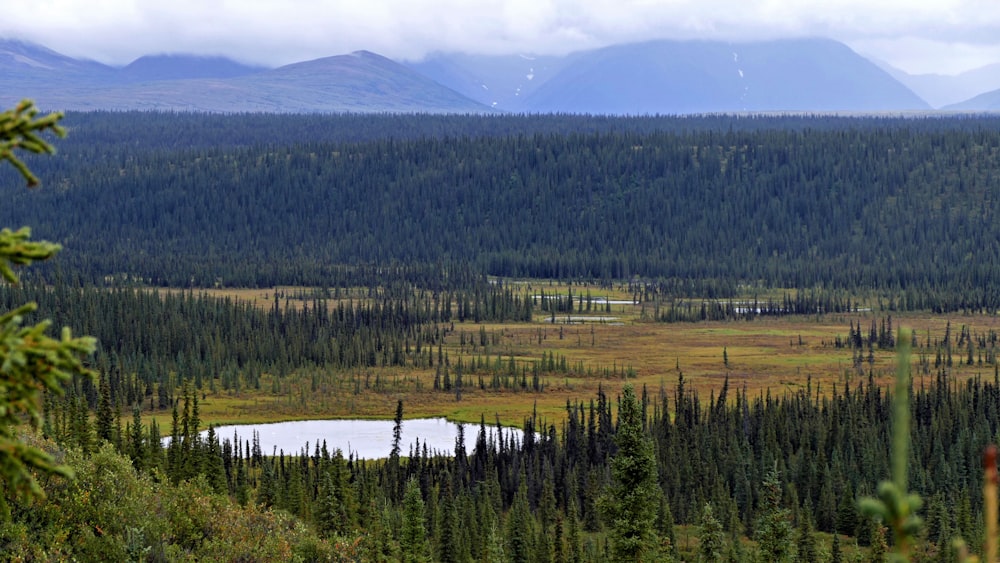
(601,349)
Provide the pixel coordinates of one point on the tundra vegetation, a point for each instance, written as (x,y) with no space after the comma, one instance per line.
(714,330)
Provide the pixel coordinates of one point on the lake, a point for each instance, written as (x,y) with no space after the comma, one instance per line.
(367,439)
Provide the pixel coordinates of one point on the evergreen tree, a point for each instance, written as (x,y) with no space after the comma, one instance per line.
(329,516)
(31,362)
(413,537)
(632,499)
(879,547)
(573,535)
(847,513)
(519,534)
(213,464)
(382,548)
(494,552)
(806,549)
(774,528)
(393,477)
(105,415)
(174,449)
(711,540)
(835,554)
(449,549)
(267,491)
(665,525)
(137,449)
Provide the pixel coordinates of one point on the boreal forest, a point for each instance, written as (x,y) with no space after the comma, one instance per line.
(705,338)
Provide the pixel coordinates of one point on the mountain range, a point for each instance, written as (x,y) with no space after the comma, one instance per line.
(358,82)
(655,77)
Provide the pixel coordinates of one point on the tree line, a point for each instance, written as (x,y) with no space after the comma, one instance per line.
(151,342)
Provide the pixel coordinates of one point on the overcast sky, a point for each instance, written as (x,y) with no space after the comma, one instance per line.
(945,36)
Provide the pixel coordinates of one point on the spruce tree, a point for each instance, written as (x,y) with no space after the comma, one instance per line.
(711,540)
(413,537)
(847,512)
(267,492)
(328,510)
(393,479)
(449,548)
(665,525)
(31,362)
(213,464)
(494,552)
(105,415)
(631,501)
(774,528)
(136,447)
(806,549)
(573,554)
(879,547)
(519,534)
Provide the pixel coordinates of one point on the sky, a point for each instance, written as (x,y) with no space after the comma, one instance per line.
(917,36)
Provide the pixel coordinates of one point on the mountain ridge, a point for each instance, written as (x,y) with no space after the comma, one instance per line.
(945,90)
(358,82)
(696,76)
(653,77)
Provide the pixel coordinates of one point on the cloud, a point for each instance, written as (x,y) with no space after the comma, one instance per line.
(274,33)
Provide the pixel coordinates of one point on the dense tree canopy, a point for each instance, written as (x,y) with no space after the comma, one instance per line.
(902,205)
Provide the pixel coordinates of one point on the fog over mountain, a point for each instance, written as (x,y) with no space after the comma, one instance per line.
(941,90)
(357,82)
(654,77)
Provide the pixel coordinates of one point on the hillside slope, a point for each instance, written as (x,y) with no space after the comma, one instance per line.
(669,77)
(358,82)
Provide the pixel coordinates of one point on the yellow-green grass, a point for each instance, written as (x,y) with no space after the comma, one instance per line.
(764,355)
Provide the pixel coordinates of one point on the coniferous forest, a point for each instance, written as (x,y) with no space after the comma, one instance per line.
(400,235)
(897,205)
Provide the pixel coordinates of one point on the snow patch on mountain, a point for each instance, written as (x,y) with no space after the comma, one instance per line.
(29,61)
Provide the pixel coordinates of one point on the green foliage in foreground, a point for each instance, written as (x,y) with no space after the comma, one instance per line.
(31,362)
(111,512)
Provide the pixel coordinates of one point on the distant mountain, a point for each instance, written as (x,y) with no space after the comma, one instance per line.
(361,82)
(179,67)
(28,70)
(358,82)
(987,101)
(679,77)
(656,77)
(710,76)
(499,81)
(20,56)
(941,90)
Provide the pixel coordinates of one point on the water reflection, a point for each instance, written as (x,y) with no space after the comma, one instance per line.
(367,439)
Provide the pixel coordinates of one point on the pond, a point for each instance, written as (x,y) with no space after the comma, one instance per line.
(367,439)
(581,319)
(593,300)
